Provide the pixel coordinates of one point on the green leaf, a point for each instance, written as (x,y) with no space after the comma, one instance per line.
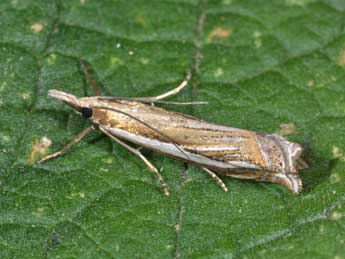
(273,66)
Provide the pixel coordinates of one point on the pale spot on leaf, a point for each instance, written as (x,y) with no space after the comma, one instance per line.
(3,86)
(26,96)
(341,61)
(298,2)
(108,160)
(322,80)
(287,129)
(131,53)
(336,215)
(340,105)
(334,178)
(337,153)
(219,33)
(37,214)
(82,2)
(37,27)
(115,61)
(5,139)
(311,83)
(144,61)
(177,227)
(39,149)
(257,39)
(140,20)
(219,72)
(51,59)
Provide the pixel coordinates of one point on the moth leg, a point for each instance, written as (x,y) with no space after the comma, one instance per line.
(175,90)
(167,94)
(68,146)
(137,152)
(89,78)
(216,178)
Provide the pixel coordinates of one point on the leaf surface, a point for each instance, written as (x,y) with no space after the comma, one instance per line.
(272,66)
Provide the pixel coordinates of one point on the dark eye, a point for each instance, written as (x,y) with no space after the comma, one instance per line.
(86,112)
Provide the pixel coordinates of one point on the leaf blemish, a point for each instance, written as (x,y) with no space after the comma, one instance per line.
(257,39)
(2,87)
(337,154)
(26,96)
(115,61)
(37,27)
(336,215)
(311,83)
(51,59)
(219,33)
(219,72)
(108,160)
(39,149)
(287,129)
(144,61)
(5,138)
(297,2)
(140,20)
(341,61)
(227,2)
(334,178)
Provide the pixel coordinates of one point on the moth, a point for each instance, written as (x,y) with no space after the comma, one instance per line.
(217,149)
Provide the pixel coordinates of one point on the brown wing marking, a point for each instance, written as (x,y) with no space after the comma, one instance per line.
(231,146)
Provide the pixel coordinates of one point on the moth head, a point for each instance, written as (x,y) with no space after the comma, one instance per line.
(72,101)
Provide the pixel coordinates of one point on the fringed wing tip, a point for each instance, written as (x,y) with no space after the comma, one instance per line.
(293,182)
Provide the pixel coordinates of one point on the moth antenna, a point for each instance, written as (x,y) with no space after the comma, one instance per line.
(89,78)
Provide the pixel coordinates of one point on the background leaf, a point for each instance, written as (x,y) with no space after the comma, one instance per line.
(274,66)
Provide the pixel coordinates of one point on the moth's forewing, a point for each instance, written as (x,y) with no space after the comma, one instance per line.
(235,152)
